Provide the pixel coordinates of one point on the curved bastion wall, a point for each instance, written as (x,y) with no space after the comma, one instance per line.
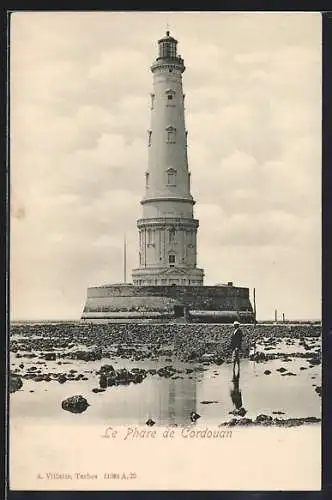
(192,303)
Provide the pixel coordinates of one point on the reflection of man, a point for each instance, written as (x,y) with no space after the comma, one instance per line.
(236,397)
(236,343)
(236,393)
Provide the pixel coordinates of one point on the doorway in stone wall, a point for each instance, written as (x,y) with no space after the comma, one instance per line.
(179,311)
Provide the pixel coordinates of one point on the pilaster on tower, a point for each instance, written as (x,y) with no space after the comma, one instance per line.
(167,229)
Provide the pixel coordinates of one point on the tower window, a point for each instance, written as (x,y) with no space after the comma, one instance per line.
(147,179)
(149,137)
(171,177)
(170,135)
(170,96)
(171,259)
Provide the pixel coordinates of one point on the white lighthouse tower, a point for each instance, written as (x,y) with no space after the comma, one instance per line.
(167,229)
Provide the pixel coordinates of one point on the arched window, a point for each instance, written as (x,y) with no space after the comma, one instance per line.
(171,177)
(170,134)
(171,260)
(170,97)
(149,137)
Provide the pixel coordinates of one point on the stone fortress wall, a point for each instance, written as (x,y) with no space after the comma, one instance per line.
(192,303)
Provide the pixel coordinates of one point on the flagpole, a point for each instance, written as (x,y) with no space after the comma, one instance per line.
(124,259)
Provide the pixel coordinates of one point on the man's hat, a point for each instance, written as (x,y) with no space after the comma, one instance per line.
(236,323)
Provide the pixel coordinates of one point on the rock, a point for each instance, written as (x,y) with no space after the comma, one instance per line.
(278,412)
(208,402)
(106,369)
(194,416)
(75,404)
(15,383)
(49,356)
(166,371)
(311,420)
(239,412)
(98,389)
(288,422)
(281,370)
(314,361)
(245,421)
(150,422)
(318,390)
(233,422)
(62,378)
(267,372)
(263,419)
(87,355)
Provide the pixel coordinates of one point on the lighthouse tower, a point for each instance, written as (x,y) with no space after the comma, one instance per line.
(167,229)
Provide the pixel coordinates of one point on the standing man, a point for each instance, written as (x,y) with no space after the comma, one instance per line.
(236,343)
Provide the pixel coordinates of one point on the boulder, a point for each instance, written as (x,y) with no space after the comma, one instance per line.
(49,356)
(263,419)
(106,369)
(15,383)
(75,404)
(240,412)
(62,378)
(314,361)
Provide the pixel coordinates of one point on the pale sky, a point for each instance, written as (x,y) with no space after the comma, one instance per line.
(80,85)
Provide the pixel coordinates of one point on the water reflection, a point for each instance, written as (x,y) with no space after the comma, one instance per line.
(235,393)
(177,399)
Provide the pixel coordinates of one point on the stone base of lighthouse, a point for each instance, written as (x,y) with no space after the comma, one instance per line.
(127,303)
(168,276)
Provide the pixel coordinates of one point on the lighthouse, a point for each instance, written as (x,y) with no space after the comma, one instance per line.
(167,285)
(167,230)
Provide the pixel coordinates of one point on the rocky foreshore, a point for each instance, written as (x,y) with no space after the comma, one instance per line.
(188,342)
